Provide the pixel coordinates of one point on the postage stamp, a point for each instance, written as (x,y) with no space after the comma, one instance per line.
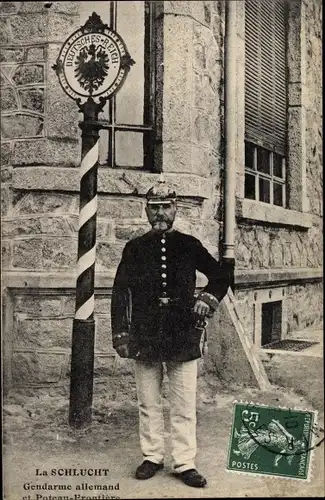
(273,441)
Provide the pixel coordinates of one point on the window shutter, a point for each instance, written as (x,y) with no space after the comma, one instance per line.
(265,73)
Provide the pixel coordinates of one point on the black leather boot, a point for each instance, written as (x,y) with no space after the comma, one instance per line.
(192,478)
(147,469)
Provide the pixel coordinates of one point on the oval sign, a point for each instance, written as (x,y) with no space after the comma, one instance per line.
(93,64)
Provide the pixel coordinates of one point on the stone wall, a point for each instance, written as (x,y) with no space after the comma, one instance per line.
(39,124)
(41,340)
(303,306)
(272,242)
(301,309)
(193,75)
(40,231)
(40,153)
(261,246)
(40,200)
(314,129)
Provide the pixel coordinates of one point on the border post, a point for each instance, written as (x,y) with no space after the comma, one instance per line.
(83,331)
(92,66)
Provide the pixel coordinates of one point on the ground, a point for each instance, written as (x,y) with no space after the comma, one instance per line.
(37,436)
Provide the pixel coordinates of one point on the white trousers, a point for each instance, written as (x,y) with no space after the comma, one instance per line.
(182,397)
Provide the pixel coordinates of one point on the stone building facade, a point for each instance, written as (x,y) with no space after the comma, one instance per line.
(278,250)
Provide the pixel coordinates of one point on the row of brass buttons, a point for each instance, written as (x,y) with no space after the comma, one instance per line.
(163,266)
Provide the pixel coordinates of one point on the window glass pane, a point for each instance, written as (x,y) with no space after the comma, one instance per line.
(129,149)
(250,186)
(131,21)
(264,186)
(277,165)
(101,8)
(130,25)
(103,147)
(249,155)
(263,160)
(278,194)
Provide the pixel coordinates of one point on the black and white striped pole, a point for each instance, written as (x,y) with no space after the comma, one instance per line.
(83,332)
(92,66)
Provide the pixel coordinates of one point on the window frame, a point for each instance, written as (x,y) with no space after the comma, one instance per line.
(148,128)
(296,214)
(260,142)
(271,177)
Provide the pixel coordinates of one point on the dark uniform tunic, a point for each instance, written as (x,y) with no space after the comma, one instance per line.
(153,295)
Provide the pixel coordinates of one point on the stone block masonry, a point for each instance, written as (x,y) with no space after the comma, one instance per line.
(42,359)
(35,114)
(261,246)
(22,94)
(39,237)
(314,129)
(303,306)
(40,230)
(300,309)
(22,74)
(41,153)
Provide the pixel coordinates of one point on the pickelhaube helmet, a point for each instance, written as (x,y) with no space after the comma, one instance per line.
(160,193)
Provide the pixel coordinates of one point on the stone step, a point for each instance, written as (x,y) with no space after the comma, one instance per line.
(302,371)
(312,334)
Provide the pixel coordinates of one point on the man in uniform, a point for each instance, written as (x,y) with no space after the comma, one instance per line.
(156,318)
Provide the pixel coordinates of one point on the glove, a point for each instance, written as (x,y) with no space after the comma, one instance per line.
(122,350)
(121,344)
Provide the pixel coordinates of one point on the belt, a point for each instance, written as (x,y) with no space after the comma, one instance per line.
(165,301)
(169,301)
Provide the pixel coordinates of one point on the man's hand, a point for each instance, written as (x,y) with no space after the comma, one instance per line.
(122,350)
(201,309)
(121,344)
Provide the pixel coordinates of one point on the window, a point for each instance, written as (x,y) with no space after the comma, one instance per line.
(265,101)
(128,140)
(264,175)
(271,322)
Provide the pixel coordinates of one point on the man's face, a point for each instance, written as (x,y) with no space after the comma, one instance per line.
(161,216)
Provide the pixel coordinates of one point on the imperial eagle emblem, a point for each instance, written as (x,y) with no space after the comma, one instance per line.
(91,67)
(273,437)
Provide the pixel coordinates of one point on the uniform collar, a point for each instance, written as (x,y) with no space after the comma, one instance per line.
(155,234)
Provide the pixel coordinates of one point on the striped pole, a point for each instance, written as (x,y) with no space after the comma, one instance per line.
(83,332)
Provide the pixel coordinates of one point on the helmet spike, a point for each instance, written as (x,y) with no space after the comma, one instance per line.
(161,178)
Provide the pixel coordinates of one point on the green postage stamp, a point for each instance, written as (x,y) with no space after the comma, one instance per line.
(272,441)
